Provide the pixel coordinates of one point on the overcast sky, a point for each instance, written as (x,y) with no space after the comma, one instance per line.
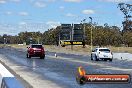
(40,15)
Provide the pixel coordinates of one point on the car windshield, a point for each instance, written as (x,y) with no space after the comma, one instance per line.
(104,50)
(36,46)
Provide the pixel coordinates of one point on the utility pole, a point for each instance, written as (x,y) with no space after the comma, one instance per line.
(91,34)
(84,27)
(84,30)
(4,41)
(59,39)
(31,40)
(72,29)
(38,40)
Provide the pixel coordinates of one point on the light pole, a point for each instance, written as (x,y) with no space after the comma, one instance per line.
(91,33)
(31,40)
(38,40)
(72,30)
(4,40)
(84,30)
(59,39)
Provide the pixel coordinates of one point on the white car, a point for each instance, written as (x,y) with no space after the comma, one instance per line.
(101,54)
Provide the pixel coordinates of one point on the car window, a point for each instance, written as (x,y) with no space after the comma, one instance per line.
(104,50)
(36,46)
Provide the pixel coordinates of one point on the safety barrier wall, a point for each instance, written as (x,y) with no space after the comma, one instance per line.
(8,80)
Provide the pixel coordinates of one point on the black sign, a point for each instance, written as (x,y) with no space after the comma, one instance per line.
(78,26)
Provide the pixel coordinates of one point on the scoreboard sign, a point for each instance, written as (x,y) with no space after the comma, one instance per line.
(72,42)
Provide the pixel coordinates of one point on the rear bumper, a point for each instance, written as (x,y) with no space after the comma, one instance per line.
(105,57)
(36,54)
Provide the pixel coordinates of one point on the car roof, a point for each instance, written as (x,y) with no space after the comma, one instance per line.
(102,48)
(36,44)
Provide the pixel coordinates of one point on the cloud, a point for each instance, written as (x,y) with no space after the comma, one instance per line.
(118,1)
(72,0)
(22,23)
(9,29)
(62,7)
(5,1)
(40,4)
(88,11)
(15,0)
(50,0)
(2,1)
(22,26)
(53,24)
(70,15)
(8,13)
(23,14)
(33,26)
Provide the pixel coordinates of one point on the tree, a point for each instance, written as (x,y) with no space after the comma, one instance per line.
(127,37)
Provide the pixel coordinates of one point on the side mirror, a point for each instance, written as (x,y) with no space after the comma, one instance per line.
(28,47)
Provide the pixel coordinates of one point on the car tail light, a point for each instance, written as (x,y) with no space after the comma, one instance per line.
(42,49)
(32,50)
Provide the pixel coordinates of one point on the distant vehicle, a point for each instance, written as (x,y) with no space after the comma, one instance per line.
(36,50)
(101,54)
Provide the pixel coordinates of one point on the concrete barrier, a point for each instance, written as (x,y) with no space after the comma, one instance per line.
(7,80)
(10,82)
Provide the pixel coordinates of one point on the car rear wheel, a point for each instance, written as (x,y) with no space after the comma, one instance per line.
(110,60)
(91,57)
(96,59)
(42,57)
(28,56)
(105,59)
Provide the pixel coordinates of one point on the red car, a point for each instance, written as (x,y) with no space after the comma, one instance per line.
(36,50)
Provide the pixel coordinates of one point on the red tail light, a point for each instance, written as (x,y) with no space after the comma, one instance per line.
(42,49)
(31,50)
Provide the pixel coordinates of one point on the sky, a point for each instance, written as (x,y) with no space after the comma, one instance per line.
(40,15)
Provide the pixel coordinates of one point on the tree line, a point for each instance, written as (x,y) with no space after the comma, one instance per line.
(101,36)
